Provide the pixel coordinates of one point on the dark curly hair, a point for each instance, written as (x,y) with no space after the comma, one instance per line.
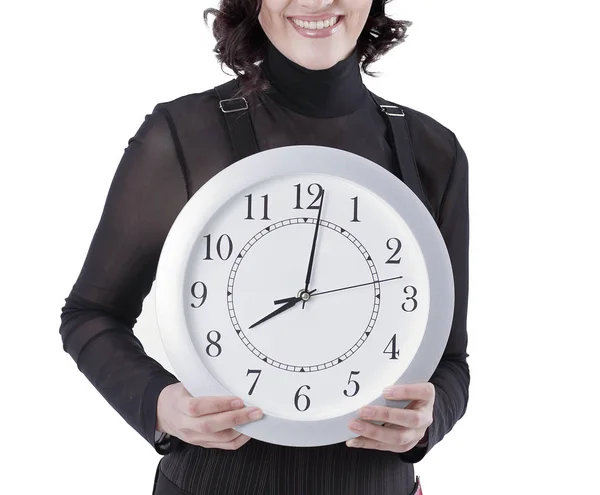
(241,41)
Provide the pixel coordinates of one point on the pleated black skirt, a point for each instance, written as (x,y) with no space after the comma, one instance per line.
(259,468)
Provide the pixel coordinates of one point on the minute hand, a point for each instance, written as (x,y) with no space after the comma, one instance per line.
(314,245)
(280,301)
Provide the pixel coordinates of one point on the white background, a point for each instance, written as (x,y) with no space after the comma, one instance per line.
(516,81)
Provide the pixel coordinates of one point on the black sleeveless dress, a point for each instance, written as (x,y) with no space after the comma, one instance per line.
(179,146)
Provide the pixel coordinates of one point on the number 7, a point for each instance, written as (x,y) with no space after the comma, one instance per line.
(257,377)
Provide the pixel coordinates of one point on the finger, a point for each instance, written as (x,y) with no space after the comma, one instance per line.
(409,418)
(369,443)
(222,436)
(219,436)
(229,419)
(394,437)
(200,406)
(411,391)
(233,445)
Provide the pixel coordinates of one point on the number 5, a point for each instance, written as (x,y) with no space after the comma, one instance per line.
(357,388)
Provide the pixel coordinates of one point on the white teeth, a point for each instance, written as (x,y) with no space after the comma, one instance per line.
(316,24)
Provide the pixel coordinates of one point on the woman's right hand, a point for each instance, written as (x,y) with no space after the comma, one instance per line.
(204,421)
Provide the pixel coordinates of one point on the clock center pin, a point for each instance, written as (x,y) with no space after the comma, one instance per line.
(304,295)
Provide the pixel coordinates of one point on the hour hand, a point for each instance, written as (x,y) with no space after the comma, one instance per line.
(303,296)
(290,304)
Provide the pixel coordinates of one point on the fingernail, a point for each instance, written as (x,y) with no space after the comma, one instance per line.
(237,403)
(357,425)
(366,412)
(255,414)
(388,391)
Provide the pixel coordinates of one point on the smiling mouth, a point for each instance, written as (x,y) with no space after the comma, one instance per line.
(322,27)
(316,25)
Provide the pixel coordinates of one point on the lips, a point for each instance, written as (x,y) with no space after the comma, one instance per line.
(316,28)
(309,18)
(316,25)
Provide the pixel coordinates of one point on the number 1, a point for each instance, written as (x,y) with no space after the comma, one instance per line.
(355,218)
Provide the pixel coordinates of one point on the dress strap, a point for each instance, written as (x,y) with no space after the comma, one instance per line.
(237,116)
(243,138)
(402,145)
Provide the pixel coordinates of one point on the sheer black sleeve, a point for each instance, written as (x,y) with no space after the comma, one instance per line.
(451,378)
(146,194)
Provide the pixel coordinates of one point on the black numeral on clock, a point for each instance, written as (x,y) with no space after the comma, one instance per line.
(355,217)
(265,207)
(393,352)
(356,385)
(214,348)
(201,296)
(390,245)
(413,303)
(315,204)
(297,399)
(223,239)
(257,372)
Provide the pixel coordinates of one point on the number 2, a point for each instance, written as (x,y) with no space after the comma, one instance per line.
(396,250)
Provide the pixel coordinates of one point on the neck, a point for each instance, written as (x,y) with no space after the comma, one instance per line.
(332,92)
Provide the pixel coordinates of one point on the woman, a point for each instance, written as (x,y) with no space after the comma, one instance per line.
(306,90)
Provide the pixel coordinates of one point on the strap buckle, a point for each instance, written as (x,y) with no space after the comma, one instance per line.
(235,108)
(398,113)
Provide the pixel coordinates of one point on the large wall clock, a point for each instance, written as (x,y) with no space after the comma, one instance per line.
(304,279)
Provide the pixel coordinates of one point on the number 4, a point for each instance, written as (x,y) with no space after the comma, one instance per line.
(394,352)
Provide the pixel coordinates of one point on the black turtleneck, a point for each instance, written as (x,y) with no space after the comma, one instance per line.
(332,92)
(180,145)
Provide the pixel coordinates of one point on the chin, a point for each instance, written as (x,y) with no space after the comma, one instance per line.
(317,59)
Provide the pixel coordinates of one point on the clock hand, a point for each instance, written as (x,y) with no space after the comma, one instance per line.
(290,302)
(313,293)
(353,286)
(314,244)
(287,299)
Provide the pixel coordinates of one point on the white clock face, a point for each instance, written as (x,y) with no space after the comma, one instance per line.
(236,316)
(343,347)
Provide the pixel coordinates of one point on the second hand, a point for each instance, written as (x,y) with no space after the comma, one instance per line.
(280,301)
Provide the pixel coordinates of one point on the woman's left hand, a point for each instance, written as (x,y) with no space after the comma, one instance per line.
(403,428)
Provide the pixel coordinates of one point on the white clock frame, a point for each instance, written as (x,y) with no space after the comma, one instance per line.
(281,162)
